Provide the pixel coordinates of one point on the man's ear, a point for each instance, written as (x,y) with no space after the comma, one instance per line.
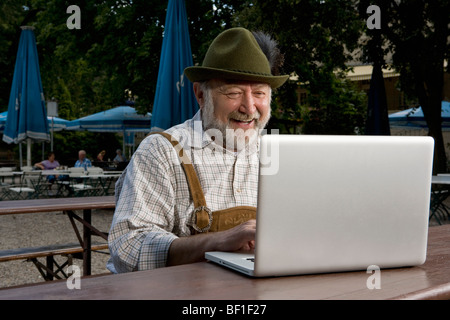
(199,94)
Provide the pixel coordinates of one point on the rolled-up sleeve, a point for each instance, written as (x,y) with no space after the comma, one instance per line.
(141,231)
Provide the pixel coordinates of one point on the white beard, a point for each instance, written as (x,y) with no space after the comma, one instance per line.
(231,139)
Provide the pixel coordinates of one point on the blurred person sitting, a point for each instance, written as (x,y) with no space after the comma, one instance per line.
(49,164)
(82,161)
(119,157)
(101,155)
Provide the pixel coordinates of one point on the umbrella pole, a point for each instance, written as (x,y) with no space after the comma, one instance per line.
(20,155)
(29,152)
(51,144)
(123,145)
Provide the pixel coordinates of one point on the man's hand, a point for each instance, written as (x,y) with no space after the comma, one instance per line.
(192,249)
(241,237)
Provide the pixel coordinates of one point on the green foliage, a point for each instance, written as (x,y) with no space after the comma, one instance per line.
(115,55)
(286,115)
(416,32)
(317,38)
(11,16)
(339,109)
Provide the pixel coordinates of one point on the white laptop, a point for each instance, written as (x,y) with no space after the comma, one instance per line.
(338,203)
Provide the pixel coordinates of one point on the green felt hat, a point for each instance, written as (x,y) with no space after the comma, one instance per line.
(235,55)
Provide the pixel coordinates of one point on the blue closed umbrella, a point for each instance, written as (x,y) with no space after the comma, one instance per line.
(27,116)
(174,98)
(377,122)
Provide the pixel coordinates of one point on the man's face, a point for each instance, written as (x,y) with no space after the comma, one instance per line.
(81,156)
(237,109)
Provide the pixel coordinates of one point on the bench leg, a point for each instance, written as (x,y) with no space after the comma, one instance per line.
(87,243)
(47,271)
(60,268)
(40,267)
(49,268)
(48,274)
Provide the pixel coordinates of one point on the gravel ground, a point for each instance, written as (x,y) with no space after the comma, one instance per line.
(33,230)
(30,230)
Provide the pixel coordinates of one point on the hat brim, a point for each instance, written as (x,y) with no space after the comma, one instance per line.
(198,74)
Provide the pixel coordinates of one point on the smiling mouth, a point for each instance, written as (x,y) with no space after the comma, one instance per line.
(244,124)
(244,121)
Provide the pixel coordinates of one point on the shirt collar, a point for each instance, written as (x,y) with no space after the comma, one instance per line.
(190,134)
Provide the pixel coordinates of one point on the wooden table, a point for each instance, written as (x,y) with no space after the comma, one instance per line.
(68,206)
(207,281)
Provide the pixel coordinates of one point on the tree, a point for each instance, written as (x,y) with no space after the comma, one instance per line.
(416,33)
(113,58)
(207,18)
(115,55)
(12,17)
(340,109)
(317,38)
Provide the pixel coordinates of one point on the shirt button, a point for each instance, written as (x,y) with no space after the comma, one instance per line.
(238,190)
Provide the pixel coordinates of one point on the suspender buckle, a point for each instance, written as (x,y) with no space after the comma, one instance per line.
(194,219)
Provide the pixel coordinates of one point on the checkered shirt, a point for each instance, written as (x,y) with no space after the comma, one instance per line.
(153,202)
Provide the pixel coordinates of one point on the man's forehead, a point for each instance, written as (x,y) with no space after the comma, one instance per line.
(219,83)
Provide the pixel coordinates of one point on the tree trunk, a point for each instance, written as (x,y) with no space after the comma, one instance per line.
(429,86)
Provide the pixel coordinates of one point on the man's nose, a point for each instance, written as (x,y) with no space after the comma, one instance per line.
(248,104)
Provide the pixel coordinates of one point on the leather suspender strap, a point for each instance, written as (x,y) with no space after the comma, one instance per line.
(202,217)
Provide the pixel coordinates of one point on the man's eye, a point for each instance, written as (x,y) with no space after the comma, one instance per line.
(233,95)
(259,94)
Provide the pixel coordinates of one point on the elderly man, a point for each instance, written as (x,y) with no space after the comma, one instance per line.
(119,157)
(193,188)
(82,161)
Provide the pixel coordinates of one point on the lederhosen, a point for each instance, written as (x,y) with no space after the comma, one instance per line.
(203,219)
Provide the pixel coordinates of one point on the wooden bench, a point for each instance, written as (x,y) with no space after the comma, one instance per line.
(71,250)
(68,206)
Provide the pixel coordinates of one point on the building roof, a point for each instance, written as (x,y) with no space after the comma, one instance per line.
(365,73)
(359,73)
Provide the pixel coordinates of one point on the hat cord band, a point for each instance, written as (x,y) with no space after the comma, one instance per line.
(250,72)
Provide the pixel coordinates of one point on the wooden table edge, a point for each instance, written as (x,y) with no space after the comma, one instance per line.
(56,204)
(439,292)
